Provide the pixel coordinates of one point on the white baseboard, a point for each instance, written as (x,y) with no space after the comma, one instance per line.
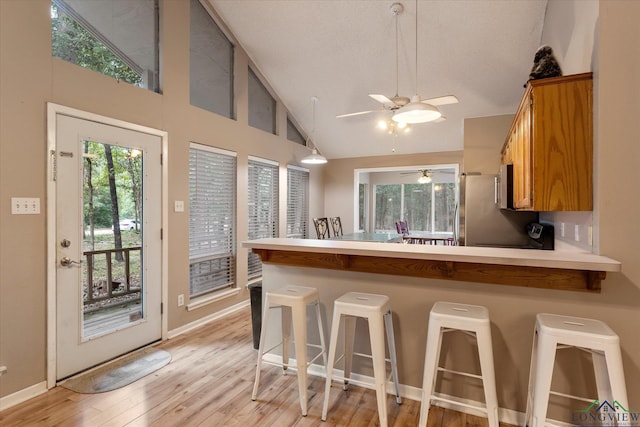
(22,395)
(507,416)
(210,318)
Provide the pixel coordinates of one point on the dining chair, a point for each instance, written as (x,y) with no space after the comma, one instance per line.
(402,227)
(322,227)
(336,224)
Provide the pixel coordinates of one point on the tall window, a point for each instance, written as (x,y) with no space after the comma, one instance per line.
(263,206)
(262,106)
(112,37)
(297,202)
(212,220)
(425,207)
(210,64)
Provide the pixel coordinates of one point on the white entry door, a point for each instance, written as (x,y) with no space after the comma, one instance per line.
(108,242)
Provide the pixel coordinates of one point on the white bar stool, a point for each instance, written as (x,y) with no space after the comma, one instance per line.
(472,320)
(377,310)
(293,301)
(553,332)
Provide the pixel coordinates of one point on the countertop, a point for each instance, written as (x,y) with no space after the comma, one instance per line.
(466,254)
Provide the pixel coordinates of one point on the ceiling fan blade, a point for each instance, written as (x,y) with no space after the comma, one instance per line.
(356,114)
(441,100)
(439,119)
(382,99)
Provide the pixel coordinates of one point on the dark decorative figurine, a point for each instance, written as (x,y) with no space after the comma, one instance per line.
(544,64)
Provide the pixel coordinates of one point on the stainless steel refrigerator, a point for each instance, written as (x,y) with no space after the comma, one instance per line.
(482,222)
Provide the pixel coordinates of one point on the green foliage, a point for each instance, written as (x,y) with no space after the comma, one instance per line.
(71,42)
(127,170)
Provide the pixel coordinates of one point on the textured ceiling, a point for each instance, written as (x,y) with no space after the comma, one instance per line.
(340,51)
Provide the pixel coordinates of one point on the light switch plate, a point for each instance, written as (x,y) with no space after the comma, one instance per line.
(25,205)
(178,206)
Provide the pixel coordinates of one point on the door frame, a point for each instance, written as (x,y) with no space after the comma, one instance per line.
(52,111)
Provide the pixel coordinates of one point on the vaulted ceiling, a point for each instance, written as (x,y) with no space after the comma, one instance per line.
(341,51)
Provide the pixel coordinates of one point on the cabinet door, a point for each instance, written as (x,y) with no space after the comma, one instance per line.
(522,168)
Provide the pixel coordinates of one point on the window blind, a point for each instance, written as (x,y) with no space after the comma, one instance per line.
(212,207)
(262,106)
(297,202)
(211,67)
(262,195)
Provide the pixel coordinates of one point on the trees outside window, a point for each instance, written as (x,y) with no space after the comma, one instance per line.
(426,207)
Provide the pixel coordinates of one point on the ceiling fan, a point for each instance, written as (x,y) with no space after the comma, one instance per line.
(401,103)
(426,175)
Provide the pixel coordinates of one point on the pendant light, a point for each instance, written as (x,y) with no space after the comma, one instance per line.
(417,111)
(314,158)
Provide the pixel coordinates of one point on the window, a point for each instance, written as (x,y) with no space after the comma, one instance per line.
(262,106)
(263,206)
(115,38)
(210,64)
(212,221)
(297,202)
(388,206)
(425,207)
(293,134)
(363,203)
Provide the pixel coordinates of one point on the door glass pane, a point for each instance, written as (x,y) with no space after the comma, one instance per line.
(112,280)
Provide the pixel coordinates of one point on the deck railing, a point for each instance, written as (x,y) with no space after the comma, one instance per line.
(107,288)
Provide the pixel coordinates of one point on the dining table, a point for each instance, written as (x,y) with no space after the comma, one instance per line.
(423,238)
(370,237)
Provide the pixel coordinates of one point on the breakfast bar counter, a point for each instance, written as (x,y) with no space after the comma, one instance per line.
(516,267)
(417,276)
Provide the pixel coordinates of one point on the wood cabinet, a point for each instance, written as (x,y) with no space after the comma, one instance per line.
(550,145)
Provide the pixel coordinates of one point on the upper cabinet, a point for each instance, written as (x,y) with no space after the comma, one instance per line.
(550,145)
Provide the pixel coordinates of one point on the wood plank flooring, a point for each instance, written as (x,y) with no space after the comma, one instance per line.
(209,383)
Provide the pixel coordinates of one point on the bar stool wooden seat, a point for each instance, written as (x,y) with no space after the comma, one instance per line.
(377,310)
(472,320)
(293,301)
(554,332)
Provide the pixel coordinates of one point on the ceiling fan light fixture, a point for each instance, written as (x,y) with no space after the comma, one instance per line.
(424,179)
(417,112)
(314,158)
(383,124)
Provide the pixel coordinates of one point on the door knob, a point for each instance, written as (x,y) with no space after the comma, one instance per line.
(68,262)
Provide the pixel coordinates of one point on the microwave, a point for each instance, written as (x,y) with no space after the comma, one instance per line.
(504,187)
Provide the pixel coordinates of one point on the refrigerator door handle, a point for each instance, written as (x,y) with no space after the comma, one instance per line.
(496,190)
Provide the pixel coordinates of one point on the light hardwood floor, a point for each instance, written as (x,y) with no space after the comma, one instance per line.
(209,383)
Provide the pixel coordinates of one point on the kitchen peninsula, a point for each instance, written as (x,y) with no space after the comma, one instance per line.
(516,267)
(416,276)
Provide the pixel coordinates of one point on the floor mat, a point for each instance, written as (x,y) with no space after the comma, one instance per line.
(120,372)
